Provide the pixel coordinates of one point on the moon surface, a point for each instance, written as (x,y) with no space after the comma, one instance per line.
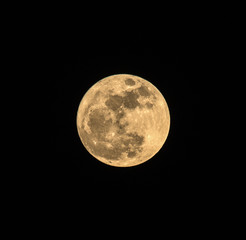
(123,120)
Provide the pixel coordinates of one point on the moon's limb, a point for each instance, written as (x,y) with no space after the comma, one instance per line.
(123,120)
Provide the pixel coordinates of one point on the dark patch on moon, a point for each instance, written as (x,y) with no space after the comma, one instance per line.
(144,91)
(129,82)
(98,124)
(97,94)
(114,102)
(135,139)
(130,100)
(131,154)
(149,105)
(120,126)
(120,114)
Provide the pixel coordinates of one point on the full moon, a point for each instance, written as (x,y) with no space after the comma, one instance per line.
(123,120)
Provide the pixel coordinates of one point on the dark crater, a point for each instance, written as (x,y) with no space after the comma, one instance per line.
(129,82)
(130,100)
(144,91)
(149,105)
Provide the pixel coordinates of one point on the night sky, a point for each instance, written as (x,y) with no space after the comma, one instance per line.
(86,57)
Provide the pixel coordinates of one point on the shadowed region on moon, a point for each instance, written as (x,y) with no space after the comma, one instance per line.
(144,91)
(129,101)
(98,124)
(149,105)
(131,154)
(129,82)
(133,139)
(120,126)
(114,102)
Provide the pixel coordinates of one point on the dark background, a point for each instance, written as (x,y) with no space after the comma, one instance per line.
(182,56)
(166,61)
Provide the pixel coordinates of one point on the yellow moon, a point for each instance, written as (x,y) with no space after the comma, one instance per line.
(123,120)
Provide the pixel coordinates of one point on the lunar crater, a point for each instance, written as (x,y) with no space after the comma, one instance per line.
(143,91)
(129,81)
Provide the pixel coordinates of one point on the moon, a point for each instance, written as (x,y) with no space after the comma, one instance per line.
(123,120)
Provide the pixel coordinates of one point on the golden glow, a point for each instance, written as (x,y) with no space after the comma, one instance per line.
(123,120)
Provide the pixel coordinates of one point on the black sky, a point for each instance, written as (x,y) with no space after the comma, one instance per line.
(163,59)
